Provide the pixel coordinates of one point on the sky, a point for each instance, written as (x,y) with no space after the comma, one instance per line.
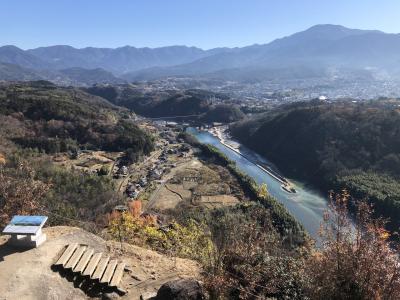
(201,23)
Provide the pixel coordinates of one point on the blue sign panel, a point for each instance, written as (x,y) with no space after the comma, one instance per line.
(28,220)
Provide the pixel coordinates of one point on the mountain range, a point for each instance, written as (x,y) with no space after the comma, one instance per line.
(322,50)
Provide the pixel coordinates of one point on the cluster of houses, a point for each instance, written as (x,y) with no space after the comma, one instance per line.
(169,136)
(156,171)
(123,171)
(133,189)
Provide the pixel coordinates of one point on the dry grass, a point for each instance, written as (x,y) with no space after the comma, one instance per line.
(218,201)
(88,161)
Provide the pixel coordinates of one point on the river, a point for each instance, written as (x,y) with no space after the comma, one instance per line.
(307,205)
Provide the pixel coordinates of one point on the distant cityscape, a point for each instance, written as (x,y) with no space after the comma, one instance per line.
(259,95)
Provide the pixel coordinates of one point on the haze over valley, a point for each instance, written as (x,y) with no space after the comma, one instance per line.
(325,59)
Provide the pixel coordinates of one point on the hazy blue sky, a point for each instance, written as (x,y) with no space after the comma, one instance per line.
(202,23)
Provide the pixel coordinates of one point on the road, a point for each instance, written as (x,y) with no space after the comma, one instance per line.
(153,197)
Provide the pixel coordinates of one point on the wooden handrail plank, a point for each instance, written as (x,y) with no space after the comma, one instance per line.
(66,255)
(84,260)
(73,261)
(92,264)
(119,272)
(100,268)
(108,273)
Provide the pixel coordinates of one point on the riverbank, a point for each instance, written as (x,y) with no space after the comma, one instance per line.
(306,205)
(218,132)
(291,230)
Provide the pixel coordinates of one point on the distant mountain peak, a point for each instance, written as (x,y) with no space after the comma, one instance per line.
(328,27)
(339,30)
(11,47)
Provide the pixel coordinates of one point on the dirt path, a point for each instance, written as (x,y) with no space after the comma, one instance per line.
(172,191)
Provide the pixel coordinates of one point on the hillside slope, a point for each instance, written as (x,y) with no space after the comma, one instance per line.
(194,103)
(55,119)
(78,76)
(12,72)
(39,121)
(351,145)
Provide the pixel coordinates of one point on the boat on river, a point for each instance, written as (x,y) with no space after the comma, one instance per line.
(288,188)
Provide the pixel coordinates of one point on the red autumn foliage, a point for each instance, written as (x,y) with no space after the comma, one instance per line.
(135,208)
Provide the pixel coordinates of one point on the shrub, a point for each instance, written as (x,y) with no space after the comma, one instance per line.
(357,261)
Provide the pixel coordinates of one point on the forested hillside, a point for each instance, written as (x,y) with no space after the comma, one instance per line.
(39,119)
(52,119)
(335,145)
(194,103)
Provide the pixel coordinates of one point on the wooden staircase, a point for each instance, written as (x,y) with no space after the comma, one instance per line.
(82,260)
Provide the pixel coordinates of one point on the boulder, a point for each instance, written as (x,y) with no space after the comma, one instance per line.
(110,296)
(180,289)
